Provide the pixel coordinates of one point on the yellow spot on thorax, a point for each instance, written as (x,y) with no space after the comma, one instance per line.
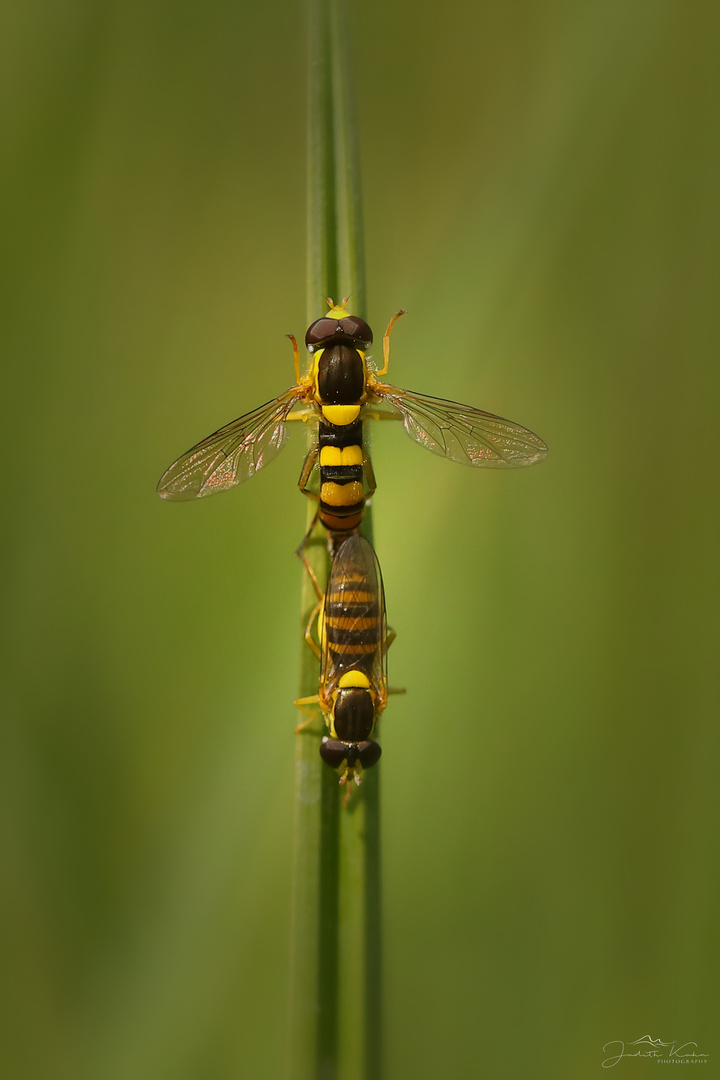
(354,678)
(340,415)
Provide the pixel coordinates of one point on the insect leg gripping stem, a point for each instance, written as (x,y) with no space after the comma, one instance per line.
(310,715)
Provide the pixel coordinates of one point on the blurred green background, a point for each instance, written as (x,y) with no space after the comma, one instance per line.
(541,185)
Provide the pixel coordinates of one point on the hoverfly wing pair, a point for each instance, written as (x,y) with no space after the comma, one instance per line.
(447,428)
(354,631)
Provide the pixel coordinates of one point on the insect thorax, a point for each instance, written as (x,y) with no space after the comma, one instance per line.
(340,375)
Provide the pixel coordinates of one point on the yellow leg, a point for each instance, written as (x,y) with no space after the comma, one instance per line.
(301,546)
(386,340)
(400,691)
(308,466)
(310,715)
(296,356)
(376,414)
(314,615)
(304,414)
(316,586)
(313,699)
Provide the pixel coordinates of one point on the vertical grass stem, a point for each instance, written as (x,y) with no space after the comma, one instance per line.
(335,994)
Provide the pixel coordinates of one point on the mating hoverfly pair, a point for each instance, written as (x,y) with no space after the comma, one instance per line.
(340,389)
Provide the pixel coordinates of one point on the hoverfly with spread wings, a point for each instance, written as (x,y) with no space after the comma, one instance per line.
(340,389)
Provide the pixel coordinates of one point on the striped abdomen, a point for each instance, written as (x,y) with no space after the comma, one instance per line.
(353,623)
(342,494)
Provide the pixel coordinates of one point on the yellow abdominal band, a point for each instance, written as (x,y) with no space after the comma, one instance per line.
(341,455)
(342,494)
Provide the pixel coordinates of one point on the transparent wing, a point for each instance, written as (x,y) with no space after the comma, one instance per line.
(461,433)
(355,616)
(232,454)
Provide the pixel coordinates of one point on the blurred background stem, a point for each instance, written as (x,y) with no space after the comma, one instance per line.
(335,997)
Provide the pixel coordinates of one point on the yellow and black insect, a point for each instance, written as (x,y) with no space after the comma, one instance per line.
(354,639)
(340,387)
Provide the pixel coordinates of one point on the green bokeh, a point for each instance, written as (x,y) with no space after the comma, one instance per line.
(541,186)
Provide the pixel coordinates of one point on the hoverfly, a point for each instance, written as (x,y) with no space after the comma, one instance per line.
(353,634)
(340,387)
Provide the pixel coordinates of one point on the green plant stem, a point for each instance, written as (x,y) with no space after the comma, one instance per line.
(335,994)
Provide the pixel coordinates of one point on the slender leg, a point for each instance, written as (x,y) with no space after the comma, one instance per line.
(372,414)
(303,414)
(296,356)
(369,478)
(386,341)
(308,466)
(316,613)
(310,715)
(314,616)
(318,591)
(301,546)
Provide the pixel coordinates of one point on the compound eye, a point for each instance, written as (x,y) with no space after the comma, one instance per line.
(333,752)
(357,329)
(369,753)
(320,331)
